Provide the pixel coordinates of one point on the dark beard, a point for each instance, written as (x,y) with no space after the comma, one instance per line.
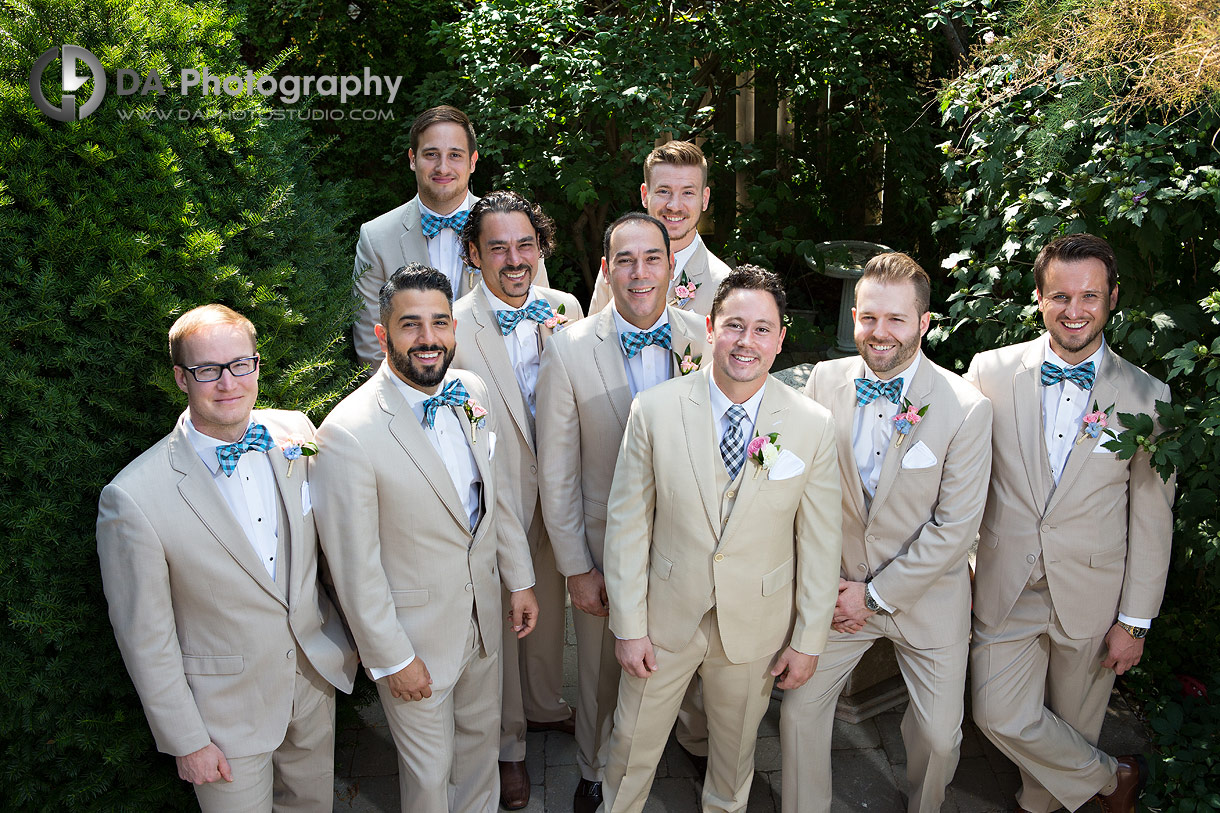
(405,366)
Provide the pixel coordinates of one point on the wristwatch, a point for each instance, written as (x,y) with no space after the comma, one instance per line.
(869,601)
(1135,632)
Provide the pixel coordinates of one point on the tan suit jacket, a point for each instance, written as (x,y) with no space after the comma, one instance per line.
(771,574)
(583,402)
(386,244)
(914,537)
(210,641)
(1104,534)
(408,571)
(704,269)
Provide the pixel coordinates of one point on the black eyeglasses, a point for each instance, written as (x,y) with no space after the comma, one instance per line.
(206,373)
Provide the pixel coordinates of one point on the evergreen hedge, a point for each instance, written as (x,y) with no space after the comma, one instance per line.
(110,230)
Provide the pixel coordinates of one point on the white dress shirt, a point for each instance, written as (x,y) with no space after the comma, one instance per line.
(445,249)
(652,364)
(720,406)
(873,429)
(522,346)
(249,492)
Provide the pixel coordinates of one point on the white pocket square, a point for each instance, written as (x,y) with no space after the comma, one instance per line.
(918,456)
(491,444)
(786,466)
(306,503)
(1100,446)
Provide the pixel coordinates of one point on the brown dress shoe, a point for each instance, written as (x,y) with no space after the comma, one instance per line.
(588,797)
(565,726)
(1132,775)
(514,785)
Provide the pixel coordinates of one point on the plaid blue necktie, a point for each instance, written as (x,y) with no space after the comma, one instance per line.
(868,391)
(733,442)
(454,394)
(537,311)
(434,223)
(257,438)
(636,340)
(1082,375)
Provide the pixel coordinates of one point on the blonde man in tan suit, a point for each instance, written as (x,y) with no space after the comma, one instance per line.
(912,504)
(503,324)
(675,192)
(420,534)
(721,555)
(590,373)
(210,567)
(1074,547)
(426,229)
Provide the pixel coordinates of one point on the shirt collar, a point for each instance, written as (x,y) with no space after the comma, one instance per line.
(1053,357)
(415,398)
(623,326)
(681,258)
(465,204)
(205,445)
(722,402)
(907,375)
(498,304)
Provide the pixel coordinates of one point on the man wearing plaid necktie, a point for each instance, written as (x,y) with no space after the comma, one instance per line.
(1074,545)
(426,229)
(210,567)
(716,563)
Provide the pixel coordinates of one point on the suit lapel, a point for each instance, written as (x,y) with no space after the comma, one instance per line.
(490,342)
(699,427)
(917,394)
(771,414)
(681,339)
(843,407)
(1027,409)
(290,497)
(1105,393)
(204,498)
(413,244)
(608,356)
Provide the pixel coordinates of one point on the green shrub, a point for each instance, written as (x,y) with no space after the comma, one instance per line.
(111,229)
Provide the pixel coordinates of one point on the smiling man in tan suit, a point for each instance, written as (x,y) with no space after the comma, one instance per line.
(675,192)
(426,229)
(503,325)
(210,567)
(721,555)
(590,372)
(1074,547)
(420,534)
(912,504)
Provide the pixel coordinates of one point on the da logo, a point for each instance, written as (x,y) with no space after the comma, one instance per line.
(67,110)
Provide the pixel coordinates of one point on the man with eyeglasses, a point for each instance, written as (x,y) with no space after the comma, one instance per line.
(210,567)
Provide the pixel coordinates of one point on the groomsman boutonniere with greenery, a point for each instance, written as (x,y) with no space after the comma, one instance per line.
(688,363)
(763,450)
(558,320)
(905,420)
(477,415)
(684,291)
(1095,424)
(294,447)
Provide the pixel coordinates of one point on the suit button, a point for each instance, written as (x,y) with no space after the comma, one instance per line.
(1046,529)
(1031,558)
(862,568)
(289,654)
(872,538)
(533,469)
(469,588)
(731,495)
(719,557)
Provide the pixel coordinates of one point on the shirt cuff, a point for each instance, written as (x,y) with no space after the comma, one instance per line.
(527,587)
(378,674)
(872,591)
(1145,623)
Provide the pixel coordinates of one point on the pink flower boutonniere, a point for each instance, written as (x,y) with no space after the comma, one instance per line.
(684,291)
(763,450)
(558,320)
(477,415)
(688,363)
(905,420)
(1095,424)
(294,447)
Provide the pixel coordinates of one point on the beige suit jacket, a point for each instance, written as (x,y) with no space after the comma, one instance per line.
(1104,534)
(914,537)
(386,244)
(209,639)
(408,571)
(480,349)
(583,402)
(772,574)
(703,269)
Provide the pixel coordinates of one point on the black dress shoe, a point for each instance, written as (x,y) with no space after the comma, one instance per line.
(565,726)
(514,785)
(699,762)
(588,797)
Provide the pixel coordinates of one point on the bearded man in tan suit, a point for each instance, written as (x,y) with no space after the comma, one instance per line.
(503,325)
(721,553)
(1074,547)
(912,503)
(426,229)
(420,534)
(675,192)
(590,373)
(210,567)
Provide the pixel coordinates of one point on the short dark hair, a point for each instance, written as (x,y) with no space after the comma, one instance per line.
(442,114)
(627,218)
(500,202)
(751,278)
(411,277)
(1074,247)
(896,267)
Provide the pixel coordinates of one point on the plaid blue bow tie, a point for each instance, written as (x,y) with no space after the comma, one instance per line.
(257,438)
(434,223)
(1082,375)
(636,340)
(868,391)
(454,394)
(537,311)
